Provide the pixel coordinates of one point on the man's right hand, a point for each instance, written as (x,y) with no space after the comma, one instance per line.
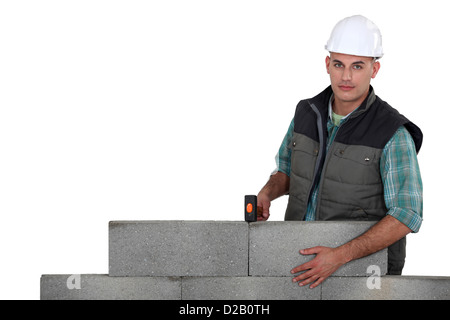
(263,206)
(277,186)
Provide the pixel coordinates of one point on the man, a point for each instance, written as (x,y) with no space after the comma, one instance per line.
(348,155)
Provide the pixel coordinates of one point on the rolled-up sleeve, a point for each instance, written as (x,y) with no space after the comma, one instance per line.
(403,189)
(283,157)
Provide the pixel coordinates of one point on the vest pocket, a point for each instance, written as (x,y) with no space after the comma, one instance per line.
(363,157)
(304,156)
(354,165)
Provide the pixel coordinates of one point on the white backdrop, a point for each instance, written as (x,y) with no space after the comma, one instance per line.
(174,110)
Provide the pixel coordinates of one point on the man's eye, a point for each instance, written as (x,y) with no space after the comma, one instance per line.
(357,67)
(338,65)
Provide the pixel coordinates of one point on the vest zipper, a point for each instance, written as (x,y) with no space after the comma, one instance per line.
(325,164)
(320,152)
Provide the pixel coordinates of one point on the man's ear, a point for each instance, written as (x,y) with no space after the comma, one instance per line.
(376,67)
(327,64)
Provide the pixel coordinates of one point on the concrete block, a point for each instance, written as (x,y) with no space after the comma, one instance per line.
(274,246)
(103,287)
(390,288)
(178,248)
(246,288)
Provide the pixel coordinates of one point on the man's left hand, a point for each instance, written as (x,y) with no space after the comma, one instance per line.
(325,263)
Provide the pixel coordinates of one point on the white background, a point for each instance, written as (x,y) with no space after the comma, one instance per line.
(174,110)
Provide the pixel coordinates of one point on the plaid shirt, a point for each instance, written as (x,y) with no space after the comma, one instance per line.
(399,169)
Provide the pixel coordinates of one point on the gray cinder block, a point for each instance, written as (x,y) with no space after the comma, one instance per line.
(178,248)
(387,288)
(103,287)
(245,288)
(274,246)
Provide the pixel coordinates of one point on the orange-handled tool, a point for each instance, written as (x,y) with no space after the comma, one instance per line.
(250,208)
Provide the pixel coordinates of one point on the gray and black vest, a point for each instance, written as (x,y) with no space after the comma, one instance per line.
(348,173)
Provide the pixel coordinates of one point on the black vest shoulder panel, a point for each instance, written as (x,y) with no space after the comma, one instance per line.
(373,124)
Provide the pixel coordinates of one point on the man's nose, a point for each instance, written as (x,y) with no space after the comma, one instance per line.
(347,74)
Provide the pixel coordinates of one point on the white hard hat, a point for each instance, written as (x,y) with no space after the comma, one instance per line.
(356,36)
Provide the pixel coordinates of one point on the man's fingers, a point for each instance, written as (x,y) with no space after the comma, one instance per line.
(259,210)
(308,281)
(262,211)
(310,274)
(312,250)
(303,276)
(308,277)
(316,283)
(319,268)
(302,267)
(307,265)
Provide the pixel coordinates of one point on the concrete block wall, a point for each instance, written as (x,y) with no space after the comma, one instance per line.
(233,260)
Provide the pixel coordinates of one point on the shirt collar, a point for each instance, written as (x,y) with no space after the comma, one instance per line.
(330,109)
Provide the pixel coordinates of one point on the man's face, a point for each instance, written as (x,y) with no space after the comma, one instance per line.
(350,76)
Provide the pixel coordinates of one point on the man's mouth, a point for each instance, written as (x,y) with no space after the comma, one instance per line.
(346,88)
